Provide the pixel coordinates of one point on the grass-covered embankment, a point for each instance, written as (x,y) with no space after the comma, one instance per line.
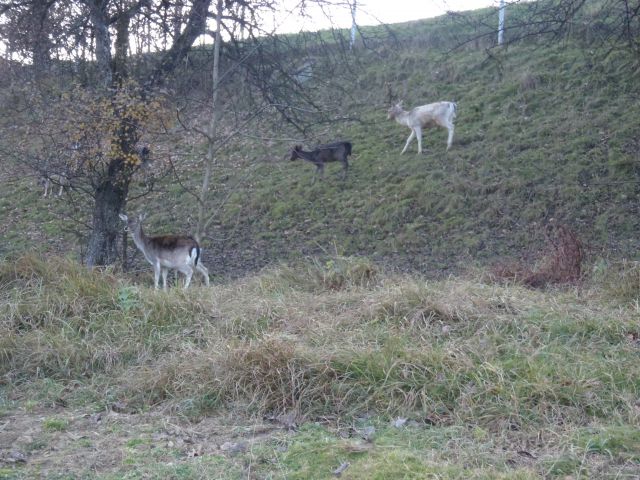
(496,380)
(545,130)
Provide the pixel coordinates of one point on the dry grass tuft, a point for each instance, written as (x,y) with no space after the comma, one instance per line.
(274,375)
(559,263)
(315,275)
(32,270)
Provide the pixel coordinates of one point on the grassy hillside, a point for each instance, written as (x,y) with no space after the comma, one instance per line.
(545,132)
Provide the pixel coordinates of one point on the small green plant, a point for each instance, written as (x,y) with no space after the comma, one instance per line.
(54,424)
(128,298)
(134,442)
(36,444)
(85,443)
(10,474)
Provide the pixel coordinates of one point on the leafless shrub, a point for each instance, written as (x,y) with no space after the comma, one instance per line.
(559,262)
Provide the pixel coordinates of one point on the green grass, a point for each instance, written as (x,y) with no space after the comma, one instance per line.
(476,367)
(620,442)
(55,424)
(414,451)
(517,159)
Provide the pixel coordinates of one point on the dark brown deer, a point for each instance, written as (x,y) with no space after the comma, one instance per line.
(331,152)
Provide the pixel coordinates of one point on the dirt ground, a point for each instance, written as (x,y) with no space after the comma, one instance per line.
(53,442)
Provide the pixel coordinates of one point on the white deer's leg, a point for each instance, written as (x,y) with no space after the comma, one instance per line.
(60,191)
(418,132)
(188,273)
(165,274)
(451,128)
(205,273)
(413,134)
(46,187)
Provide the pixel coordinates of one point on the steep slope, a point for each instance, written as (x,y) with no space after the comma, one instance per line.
(545,133)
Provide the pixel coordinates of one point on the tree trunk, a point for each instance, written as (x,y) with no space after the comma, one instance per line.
(100,20)
(41,46)
(111,193)
(110,200)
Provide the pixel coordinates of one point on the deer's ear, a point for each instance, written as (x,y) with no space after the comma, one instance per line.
(123,217)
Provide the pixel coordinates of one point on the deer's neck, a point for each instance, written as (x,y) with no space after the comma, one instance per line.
(305,156)
(403,118)
(142,242)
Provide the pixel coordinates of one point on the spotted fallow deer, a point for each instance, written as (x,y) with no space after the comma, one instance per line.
(164,252)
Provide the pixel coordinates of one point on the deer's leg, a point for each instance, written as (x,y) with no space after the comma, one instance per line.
(451,129)
(156,275)
(418,132)
(345,168)
(165,273)
(205,273)
(413,134)
(188,273)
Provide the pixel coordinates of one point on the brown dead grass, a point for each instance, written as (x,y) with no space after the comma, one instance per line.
(559,262)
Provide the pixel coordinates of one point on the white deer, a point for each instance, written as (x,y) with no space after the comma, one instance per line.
(166,252)
(433,114)
(54,179)
(62,171)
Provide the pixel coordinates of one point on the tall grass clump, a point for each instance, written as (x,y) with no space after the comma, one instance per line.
(454,351)
(321,274)
(619,281)
(62,320)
